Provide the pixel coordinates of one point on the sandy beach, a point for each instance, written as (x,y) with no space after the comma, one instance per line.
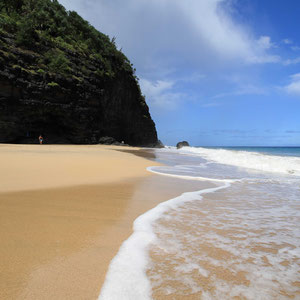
(31,167)
(64,212)
(205,202)
(61,217)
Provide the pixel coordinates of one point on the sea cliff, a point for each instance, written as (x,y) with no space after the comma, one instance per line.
(62,78)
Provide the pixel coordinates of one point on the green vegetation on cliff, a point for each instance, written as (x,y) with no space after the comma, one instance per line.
(44,26)
(61,77)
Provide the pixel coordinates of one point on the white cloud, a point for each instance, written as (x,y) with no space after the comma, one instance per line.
(244,90)
(176,32)
(287,41)
(292,46)
(294,86)
(194,77)
(181,39)
(295,48)
(160,95)
(291,61)
(264,42)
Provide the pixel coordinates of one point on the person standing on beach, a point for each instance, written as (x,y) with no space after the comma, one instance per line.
(41,139)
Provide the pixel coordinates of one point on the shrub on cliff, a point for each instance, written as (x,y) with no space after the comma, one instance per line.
(45,23)
(26,35)
(57,61)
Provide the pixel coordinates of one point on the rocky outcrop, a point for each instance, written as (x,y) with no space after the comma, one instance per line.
(159,144)
(108,140)
(182,144)
(80,107)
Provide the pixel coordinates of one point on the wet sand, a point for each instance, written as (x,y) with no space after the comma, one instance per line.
(230,255)
(60,229)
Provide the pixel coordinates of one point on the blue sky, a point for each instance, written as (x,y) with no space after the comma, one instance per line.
(214,72)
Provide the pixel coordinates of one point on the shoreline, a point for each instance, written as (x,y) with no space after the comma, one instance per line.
(55,201)
(58,240)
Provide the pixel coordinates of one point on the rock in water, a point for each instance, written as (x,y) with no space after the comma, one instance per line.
(182,144)
(61,78)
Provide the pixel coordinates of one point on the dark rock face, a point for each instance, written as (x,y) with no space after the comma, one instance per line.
(159,144)
(107,140)
(68,109)
(182,144)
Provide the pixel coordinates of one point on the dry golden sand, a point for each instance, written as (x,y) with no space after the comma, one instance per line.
(28,167)
(64,212)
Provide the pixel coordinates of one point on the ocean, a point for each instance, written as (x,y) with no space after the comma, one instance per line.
(280,151)
(239,239)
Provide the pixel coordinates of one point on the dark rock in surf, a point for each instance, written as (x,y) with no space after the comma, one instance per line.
(182,144)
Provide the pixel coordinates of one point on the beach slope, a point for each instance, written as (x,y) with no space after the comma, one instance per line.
(63,216)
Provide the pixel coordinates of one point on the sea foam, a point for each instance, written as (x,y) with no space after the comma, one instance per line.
(246,159)
(254,223)
(255,233)
(126,278)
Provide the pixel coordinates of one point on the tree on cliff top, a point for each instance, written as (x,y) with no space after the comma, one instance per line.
(39,23)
